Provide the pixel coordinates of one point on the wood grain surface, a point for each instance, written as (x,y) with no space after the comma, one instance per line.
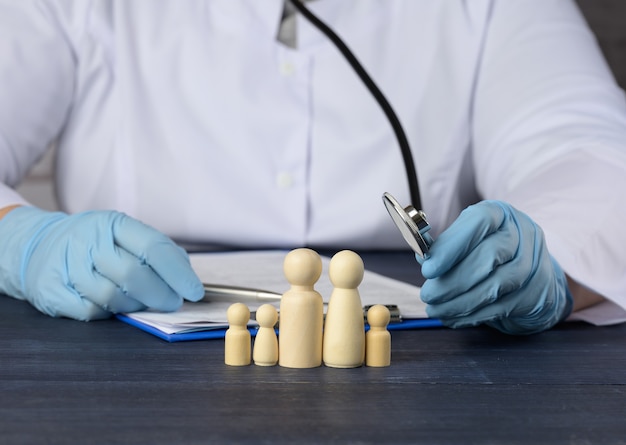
(105,382)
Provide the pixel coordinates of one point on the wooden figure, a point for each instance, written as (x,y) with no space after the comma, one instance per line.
(344,330)
(378,338)
(237,343)
(301,312)
(265,352)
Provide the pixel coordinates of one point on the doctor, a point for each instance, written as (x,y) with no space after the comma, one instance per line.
(238,123)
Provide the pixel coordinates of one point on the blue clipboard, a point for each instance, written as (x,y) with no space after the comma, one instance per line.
(421,323)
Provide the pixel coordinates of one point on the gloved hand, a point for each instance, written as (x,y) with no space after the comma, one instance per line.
(90,265)
(492,266)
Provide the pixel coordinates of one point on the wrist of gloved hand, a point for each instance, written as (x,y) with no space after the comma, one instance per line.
(18,237)
(492,266)
(89,265)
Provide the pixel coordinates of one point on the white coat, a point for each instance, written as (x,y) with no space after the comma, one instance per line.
(192,117)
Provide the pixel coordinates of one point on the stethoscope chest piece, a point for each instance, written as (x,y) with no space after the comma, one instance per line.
(411,223)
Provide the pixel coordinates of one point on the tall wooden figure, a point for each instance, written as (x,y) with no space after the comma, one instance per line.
(265,351)
(237,343)
(344,330)
(378,338)
(301,312)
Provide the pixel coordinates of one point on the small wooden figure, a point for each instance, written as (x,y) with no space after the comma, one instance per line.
(265,352)
(378,338)
(237,342)
(344,331)
(301,312)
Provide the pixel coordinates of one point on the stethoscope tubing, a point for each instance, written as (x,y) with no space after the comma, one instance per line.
(392,117)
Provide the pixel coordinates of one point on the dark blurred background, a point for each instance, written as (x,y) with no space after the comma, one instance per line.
(607,18)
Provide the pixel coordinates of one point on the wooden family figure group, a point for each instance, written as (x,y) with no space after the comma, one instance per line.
(307,338)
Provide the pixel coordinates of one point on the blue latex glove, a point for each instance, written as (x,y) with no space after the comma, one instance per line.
(90,265)
(492,266)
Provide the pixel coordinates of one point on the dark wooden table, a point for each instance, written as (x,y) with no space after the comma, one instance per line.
(66,382)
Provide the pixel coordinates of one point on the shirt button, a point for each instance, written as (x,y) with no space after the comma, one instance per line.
(284,180)
(287,68)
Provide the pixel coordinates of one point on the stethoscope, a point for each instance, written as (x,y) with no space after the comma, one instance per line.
(410,220)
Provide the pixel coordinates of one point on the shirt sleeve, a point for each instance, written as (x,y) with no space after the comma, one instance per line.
(550,137)
(36,74)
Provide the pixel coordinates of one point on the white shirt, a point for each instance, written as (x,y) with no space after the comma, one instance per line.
(192,117)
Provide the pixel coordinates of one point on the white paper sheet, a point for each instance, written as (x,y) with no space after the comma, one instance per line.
(264,270)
